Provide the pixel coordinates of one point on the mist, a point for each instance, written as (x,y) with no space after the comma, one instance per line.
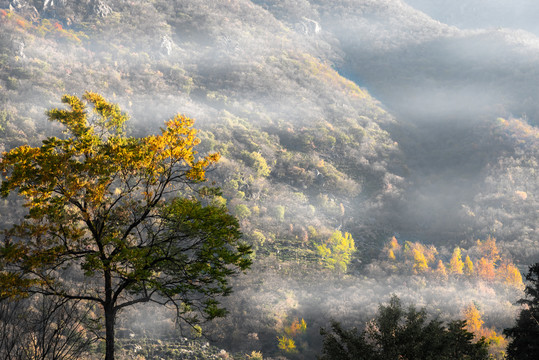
(263,303)
(481,13)
(373,118)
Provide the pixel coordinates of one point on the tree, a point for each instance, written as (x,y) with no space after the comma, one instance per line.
(485,269)
(489,249)
(44,328)
(336,252)
(342,344)
(287,342)
(525,334)
(392,248)
(509,274)
(459,342)
(441,272)
(420,262)
(256,161)
(116,221)
(397,333)
(474,323)
(468,267)
(456,265)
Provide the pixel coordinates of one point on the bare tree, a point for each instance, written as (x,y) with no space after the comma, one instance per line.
(44,328)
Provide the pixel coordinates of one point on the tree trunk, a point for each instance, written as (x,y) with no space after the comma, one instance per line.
(109,332)
(110,315)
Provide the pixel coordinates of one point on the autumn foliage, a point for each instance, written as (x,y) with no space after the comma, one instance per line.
(336,252)
(41,27)
(474,324)
(456,266)
(287,342)
(125,214)
(487,265)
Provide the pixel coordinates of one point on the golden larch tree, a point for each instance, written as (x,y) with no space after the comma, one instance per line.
(509,274)
(468,267)
(456,265)
(420,261)
(485,269)
(489,249)
(393,248)
(474,323)
(441,272)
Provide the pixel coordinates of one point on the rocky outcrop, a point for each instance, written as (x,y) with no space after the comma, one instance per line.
(18,47)
(166,45)
(308,26)
(23,7)
(100,8)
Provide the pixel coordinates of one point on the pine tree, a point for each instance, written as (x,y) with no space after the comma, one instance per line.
(524,335)
(399,333)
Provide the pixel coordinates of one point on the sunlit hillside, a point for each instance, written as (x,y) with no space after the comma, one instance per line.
(362,143)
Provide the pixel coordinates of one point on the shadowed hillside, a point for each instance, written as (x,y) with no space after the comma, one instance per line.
(340,124)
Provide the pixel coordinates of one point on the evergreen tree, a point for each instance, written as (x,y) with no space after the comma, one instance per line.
(341,344)
(525,334)
(396,333)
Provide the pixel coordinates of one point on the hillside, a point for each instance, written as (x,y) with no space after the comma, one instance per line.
(443,154)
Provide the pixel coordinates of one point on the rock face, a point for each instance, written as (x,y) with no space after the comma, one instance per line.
(23,4)
(53,4)
(99,8)
(15,4)
(166,45)
(63,11)
(309,26)
(18,46)
(21,7)
(48,4)
(52,8)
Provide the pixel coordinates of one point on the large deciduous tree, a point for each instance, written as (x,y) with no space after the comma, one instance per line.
(117,220)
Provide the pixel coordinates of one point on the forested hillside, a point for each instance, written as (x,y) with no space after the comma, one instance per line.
(362,143)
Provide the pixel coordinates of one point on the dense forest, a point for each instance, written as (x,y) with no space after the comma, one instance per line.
(378,158)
